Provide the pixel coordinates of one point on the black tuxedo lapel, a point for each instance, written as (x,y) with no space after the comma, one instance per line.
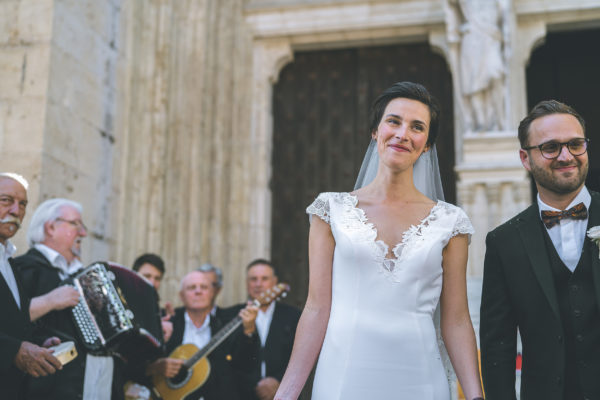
(594,220)
(531,231)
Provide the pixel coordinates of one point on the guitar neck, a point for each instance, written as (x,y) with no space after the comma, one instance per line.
(215,341)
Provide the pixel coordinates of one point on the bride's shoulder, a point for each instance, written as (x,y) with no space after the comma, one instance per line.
(321,206)
(338,197)
(451,209)
(460,220)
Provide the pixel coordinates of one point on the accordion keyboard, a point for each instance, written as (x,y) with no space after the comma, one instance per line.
(86,324)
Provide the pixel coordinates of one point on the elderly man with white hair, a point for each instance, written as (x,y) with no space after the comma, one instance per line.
(17,355)
(54,235)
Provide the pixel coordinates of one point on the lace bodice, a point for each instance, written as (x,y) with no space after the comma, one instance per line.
(384,309)
(354,218)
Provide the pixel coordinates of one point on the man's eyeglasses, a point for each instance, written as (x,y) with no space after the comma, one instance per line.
(76,223)
(552,149)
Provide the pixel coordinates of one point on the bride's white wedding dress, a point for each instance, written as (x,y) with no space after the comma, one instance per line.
(381,341)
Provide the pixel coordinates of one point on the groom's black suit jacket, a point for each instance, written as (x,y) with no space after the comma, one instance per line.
(519,290)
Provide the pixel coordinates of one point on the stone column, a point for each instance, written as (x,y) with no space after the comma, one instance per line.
(188,159)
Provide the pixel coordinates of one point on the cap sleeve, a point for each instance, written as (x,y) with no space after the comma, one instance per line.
(320,207)
(462,225)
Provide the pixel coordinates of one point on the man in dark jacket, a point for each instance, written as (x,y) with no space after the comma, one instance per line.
(275,327)
(54,235)
(17,355)
(542,272)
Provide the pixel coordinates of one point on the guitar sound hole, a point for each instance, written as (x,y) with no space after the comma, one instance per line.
(180,379)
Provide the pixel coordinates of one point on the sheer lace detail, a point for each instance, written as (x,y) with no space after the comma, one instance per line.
(320,207)
(463,224)
(356,218)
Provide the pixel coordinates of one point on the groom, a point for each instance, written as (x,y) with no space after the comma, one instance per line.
(542,272)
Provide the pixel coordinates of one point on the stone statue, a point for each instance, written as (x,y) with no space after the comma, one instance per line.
(478,32)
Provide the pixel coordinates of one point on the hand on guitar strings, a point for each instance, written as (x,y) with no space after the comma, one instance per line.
(248,315)
(167,367)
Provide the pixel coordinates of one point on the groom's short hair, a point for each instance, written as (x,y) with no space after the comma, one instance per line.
(541,109)
(407,90)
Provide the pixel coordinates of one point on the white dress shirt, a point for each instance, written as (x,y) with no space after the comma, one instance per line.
(58,261)
(263,323)
(568,235)
(7,251)
(197,336)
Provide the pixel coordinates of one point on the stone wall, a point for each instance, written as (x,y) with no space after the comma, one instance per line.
(58,103)
(25,48)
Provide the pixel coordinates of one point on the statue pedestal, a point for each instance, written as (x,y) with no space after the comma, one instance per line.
(492,187)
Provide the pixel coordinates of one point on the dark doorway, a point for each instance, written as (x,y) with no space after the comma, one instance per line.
(566,68)
(320,108)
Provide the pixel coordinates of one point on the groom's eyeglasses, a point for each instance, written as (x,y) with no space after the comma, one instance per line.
(551,150)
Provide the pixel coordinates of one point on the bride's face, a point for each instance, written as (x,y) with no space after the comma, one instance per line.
(402,132)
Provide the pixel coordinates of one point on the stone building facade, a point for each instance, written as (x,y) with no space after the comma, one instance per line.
(157,114)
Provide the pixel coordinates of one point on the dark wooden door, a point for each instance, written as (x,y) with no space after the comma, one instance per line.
(321,105)
(567,68)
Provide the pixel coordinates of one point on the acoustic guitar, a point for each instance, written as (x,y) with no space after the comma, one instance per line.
(196,368)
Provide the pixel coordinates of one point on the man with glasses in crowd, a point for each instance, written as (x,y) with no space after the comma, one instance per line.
(542,271)
(54,236)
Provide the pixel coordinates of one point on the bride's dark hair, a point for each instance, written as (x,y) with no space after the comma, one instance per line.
(408,90)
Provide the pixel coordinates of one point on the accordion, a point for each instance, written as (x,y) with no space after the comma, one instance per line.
(106,322)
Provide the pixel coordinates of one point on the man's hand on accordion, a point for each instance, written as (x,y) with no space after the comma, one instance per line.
(57,299)
(63,297)
(36,361)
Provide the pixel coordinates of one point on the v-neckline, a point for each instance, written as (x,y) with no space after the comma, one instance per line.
(406,235)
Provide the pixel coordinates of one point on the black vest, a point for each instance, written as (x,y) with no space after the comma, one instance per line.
(581,323)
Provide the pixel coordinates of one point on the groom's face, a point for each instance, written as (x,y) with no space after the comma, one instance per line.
(564,174)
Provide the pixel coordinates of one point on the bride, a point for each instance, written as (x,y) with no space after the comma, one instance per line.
(371,307)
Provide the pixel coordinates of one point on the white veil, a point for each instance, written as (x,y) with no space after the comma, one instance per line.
(426,176)
(426,172)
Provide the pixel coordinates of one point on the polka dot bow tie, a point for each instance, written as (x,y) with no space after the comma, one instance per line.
(551,218)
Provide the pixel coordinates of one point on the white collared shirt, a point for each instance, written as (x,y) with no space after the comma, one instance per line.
(57,260)
(263,323)
(197,336)
(568,235)
(7,251)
